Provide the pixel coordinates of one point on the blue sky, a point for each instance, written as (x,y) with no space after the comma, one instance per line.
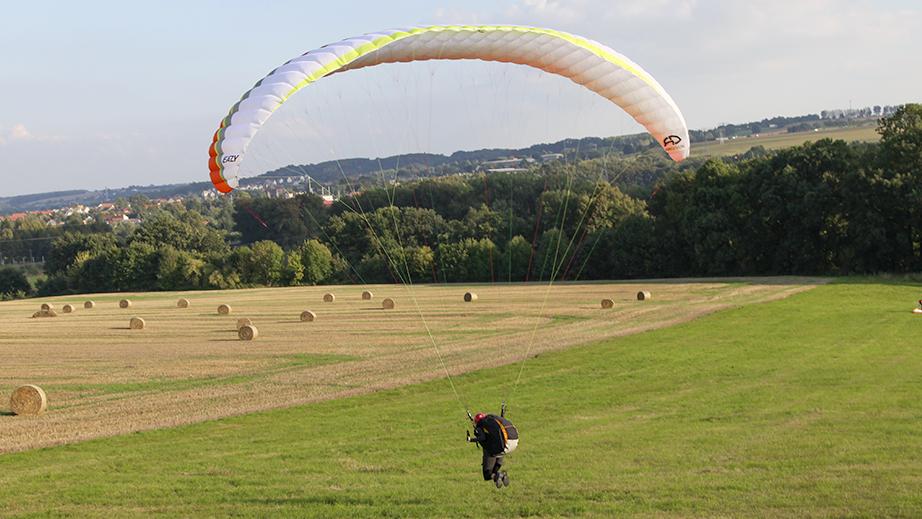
(99,93)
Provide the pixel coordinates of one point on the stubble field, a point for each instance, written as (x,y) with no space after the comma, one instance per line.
(776,141)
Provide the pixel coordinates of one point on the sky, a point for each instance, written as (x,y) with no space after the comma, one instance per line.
(100,94)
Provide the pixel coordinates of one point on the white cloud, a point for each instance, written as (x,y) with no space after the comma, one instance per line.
(563,12)
(653,9)
(452,15)
(20,133)
(16,133)
(593,11)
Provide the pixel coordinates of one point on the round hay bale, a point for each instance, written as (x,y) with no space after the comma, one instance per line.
(367,296)
(644,295)
(328,298)
(136,323)
(124,303)
(388,304)
(44,313)
(608,303)
(28,401)
(67,309)
(247,333)
(470,297)
(224,310)
(89,304)
(307,316)
(47,307)
(182,303)
(243,321)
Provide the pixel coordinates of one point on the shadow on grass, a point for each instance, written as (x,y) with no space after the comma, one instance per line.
(7,413)
(881,279)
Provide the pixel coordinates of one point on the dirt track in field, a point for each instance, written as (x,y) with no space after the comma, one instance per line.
(103,379)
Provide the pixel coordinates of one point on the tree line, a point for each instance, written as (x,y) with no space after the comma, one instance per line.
(823,208)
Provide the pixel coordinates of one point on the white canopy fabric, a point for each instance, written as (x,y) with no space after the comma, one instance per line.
(585,62)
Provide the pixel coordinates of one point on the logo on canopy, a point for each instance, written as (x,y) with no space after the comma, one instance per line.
(672,140)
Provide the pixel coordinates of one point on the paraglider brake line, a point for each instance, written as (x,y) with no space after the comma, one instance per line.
(255,216)
(407,282)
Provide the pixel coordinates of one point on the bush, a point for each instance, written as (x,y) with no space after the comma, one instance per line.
(14,284)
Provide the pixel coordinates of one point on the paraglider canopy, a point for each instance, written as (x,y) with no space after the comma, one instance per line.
(586,62)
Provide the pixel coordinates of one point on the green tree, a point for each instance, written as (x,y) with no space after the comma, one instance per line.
(453,261)
(265,264)
(13,283)
(901,139)
(626,251)
(551,256)
(294,269)
(696,219)
(901,162)
(376,268)
(188,232)
(790,218)
(288,222)
(179,270)
(419,262)
(513,264)
(481,260)
(224,280)
(606,207)
(317,261)
(468,260)
(134,267)
(67,249)
(482,222)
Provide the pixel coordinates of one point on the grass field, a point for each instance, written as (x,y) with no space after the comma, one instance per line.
(784,140)
(803,407)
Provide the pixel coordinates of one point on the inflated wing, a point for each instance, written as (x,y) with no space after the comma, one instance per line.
(583,61)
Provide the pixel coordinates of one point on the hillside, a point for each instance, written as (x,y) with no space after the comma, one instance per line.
(784,132)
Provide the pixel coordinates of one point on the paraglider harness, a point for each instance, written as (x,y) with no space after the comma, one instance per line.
(497,436)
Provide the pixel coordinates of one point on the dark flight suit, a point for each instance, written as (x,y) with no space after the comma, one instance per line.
(497,437)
